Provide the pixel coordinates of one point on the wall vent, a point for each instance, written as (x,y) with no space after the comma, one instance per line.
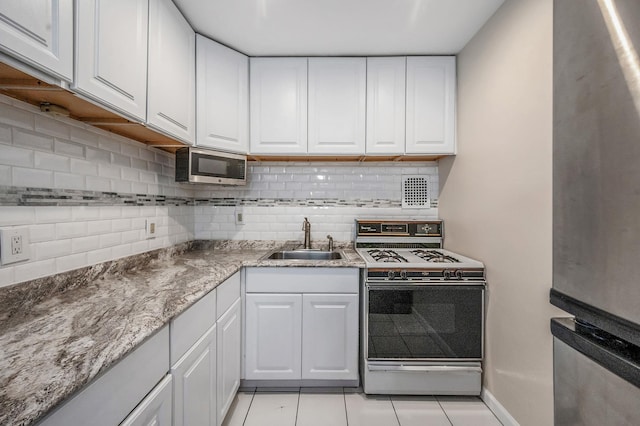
(416,192)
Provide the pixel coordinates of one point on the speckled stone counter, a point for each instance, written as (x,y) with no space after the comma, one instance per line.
(58,333)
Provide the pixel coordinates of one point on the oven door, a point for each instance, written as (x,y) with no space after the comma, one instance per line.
(424,322)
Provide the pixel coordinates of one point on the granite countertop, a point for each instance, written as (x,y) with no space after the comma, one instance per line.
(58,333)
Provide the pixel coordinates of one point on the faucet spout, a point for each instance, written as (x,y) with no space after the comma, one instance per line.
(306,227)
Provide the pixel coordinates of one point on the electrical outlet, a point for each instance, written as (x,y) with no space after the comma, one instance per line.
(239,217)
(14,245)
(150,228)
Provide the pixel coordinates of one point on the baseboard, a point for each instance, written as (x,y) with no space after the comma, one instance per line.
(500,412)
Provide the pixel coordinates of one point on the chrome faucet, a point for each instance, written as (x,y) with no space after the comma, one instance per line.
(306,227)
(330,248)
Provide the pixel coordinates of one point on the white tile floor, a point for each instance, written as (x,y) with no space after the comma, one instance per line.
(350,407)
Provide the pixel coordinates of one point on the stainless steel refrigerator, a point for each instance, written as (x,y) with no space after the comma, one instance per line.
(596,212)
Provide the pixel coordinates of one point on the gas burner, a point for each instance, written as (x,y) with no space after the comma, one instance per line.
(389,256)
(434,256)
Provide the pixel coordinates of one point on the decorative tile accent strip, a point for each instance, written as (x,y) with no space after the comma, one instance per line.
(24,196)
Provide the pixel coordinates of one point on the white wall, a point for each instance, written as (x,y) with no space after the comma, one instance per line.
(495,198)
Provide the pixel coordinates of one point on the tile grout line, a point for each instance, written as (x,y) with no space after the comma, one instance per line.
(394,411)
(297,408)
(344,401)
(443,410)
(253,394)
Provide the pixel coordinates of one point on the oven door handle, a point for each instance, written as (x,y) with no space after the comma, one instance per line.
(426,368)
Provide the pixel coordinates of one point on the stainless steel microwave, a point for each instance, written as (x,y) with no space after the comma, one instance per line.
(197,165)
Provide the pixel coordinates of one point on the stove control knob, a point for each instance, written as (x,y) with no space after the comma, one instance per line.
(391,274)
(459,274)
(403,275)
(447,274)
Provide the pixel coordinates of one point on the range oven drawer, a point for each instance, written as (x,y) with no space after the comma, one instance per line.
(429,322)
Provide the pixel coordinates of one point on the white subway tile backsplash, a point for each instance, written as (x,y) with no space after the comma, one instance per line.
(46,161)
(98,227)
(109,171)
(5,134)
(123,250)
(18,215)
(32,270)
(31,177)
(70,262)
(99,256)
(83,167)
(7,276)
(121,186)
(121,160)
(97,155)
(110,240)
(15,156)
(25,138)
(71,229)
(139,164)
(5,175)
(52,249)
(118,225)
(84,136)
(15,116)
(111,212)
(66,181)
(85,244)
(51,127)
(95,183)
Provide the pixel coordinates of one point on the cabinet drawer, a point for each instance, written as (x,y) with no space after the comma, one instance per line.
(302,280)
(110,398)
(227,293)
(190,325)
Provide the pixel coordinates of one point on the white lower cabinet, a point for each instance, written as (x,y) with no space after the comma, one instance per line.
(111,397)
(155,409)
(310,335)
(194,389)
(330,336)
(229,344)
(273,340)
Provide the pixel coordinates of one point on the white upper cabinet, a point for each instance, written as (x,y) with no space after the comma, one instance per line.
(431,105)
(39,33)
(222,97)
(386,78)
(172,76)
(111,54)
(278,105)
(337,101)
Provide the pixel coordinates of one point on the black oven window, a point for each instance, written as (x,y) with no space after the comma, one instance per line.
(425,322)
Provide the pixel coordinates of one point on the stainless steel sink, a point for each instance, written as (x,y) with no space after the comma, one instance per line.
(304,255)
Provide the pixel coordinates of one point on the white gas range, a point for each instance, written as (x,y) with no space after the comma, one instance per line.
(423,311)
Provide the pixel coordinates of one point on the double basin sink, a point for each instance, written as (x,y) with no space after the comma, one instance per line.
(303,254)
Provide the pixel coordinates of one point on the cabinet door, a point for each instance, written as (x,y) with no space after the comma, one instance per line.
(222,97)
(155,408)
(111,53)
(431,105)
(273,333)
(337,93)
(330,336)
(229,328)
(172,72)
(278,105)
(40,33)
(194,386)
(386,90)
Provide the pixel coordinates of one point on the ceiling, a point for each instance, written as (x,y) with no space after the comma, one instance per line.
(339,27)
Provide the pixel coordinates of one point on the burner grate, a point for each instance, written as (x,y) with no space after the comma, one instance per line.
(388,256)
(434,256)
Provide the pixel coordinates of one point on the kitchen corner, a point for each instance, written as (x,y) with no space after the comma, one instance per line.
(75,325)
